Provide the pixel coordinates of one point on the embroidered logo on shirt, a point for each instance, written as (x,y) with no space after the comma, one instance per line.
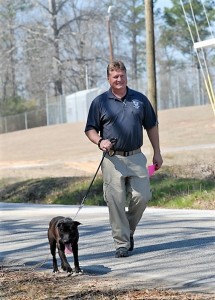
(136,104)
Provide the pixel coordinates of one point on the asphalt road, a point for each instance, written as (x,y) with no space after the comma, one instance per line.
(173,248)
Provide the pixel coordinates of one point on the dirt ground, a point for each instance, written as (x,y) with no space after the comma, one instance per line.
(187,138)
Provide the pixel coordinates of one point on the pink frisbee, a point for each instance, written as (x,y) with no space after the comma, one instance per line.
(151,170)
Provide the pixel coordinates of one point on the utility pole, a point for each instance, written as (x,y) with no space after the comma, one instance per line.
(150,54)
(109,32)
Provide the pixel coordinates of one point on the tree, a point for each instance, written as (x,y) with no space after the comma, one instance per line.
(176,40)
(63,34)
(10,57)
(130,23)
(175,33)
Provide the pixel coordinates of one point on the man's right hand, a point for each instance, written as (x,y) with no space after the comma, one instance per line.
(105,145)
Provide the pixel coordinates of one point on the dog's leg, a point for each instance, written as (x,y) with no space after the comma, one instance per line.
(53,252)
(64,263)
(75,256)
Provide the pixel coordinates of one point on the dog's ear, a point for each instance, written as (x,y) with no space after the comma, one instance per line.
(60,223)
(76,223)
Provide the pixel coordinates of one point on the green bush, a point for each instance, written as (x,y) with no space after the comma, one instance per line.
(16,105)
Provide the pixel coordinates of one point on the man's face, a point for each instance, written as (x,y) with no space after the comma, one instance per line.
(117,80)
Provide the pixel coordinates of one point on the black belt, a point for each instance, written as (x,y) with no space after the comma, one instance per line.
(124,153)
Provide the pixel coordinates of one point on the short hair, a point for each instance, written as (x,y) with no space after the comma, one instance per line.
(115,65)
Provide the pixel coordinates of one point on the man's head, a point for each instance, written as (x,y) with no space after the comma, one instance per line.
(116,75)
(115,66)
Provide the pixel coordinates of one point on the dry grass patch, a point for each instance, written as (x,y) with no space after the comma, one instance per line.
(31,284)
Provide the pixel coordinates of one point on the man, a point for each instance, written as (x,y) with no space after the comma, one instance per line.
(121,114)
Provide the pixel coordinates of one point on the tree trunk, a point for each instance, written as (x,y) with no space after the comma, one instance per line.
(56,58)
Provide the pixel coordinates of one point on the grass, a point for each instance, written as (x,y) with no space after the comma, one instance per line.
(171,188)
(182,192)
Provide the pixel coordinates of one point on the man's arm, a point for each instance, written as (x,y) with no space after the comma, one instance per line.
(154,139)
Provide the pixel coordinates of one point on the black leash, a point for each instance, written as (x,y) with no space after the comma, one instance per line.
(113,141)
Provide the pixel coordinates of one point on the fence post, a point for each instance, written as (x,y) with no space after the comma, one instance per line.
(26,121)
(5,124)
(47,110)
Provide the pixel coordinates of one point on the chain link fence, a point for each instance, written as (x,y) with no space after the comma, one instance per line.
(22,121)
(53,113)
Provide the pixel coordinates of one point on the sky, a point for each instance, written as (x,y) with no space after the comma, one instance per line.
(162,3)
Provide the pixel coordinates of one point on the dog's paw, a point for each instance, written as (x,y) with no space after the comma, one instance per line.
(78,272)
(68,269)
(55,270)
(81,272)
(74,274)
(63,268)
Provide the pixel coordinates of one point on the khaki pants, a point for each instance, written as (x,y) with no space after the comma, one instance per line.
(125,178)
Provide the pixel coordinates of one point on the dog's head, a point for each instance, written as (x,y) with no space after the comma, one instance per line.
(68,232)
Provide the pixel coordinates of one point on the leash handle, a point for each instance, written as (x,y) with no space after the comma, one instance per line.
(112,151)
(113,142)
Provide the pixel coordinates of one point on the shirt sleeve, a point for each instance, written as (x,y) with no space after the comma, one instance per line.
(150,118)
(93,119)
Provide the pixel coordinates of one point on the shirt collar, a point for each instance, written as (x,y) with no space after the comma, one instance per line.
(112,96)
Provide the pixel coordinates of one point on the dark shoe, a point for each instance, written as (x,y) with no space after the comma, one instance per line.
(121,252)
(131,243)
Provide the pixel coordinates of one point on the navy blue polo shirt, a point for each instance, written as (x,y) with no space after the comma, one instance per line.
(123,120)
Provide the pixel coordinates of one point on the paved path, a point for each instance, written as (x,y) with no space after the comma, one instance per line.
(173,248)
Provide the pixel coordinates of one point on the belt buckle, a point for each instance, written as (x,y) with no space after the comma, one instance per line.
(111,152)
(126,153)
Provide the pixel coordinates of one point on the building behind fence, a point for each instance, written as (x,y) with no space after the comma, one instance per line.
(61,109)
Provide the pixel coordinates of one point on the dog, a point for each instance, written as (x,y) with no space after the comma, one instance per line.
(63,234)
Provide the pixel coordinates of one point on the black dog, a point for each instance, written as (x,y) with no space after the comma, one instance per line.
(63,233)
